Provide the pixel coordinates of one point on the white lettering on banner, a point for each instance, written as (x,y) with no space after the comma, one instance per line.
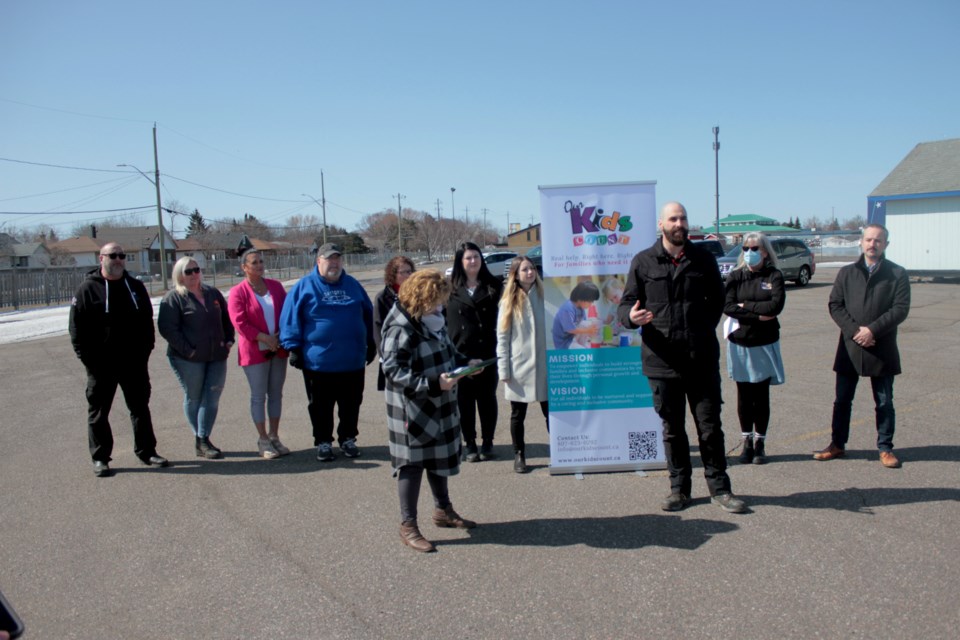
(569,391)
(570,357)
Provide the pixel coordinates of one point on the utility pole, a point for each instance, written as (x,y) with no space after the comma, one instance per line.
(466,215)
(453,208)
(438,210)
(716,174)
(484,225)
(323,206)
(399,225)
(156,182)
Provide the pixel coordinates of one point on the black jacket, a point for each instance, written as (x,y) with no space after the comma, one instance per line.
(381,307)
(472,320)
(879,302)
(194,331)
(123,329)
(686,301)
(762,294)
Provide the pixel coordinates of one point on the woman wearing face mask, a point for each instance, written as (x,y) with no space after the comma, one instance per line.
(421,395)
(754,298)
(472,323)
(522,350)
(397,270)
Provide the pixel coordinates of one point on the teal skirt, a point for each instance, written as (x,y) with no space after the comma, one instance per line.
(755,364)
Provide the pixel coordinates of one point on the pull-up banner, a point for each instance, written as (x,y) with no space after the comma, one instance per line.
(601,407)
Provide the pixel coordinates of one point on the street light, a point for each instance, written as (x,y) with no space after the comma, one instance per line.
(163,248)
(716,174)
(323,205)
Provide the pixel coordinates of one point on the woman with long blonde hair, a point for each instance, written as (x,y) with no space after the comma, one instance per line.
(521,350)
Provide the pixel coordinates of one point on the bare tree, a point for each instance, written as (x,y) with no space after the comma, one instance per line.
(813,223)
(855,223)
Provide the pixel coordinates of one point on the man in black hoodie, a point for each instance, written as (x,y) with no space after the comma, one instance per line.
(111,328)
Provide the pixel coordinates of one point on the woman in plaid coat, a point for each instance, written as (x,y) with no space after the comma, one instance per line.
(422,413)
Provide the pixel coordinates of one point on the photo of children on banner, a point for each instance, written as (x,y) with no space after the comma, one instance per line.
(586,318)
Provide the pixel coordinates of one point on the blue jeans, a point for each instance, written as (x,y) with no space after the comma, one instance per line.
(266,385)
(202,384)
(882,398)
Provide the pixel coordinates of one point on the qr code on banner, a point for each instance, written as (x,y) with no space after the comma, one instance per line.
(643,445)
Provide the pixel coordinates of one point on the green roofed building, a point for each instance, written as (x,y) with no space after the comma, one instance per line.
(747,222)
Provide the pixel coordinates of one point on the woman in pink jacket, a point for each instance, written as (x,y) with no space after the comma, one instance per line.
(254,306)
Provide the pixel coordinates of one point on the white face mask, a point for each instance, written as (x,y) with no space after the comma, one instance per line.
(434,321)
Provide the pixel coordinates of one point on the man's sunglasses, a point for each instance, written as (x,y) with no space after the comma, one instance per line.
(190,272)
(745,249)
(114,256)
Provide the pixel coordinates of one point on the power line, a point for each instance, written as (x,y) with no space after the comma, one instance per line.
(74,113)
(232,193)
(70,213)
(231,155)
(48,193)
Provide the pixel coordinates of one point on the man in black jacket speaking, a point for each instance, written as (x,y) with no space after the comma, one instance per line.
(675,294)
(869,300)
(111,328)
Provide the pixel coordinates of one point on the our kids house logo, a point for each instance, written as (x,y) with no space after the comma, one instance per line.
(591,226)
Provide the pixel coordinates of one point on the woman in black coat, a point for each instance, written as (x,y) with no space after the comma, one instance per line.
(397,270)
(472,324)
(754,298)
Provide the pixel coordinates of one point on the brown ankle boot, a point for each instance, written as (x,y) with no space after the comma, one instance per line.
(411,536)
(447,517)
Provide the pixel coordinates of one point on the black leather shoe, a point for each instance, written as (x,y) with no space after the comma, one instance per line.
(101,469)
(519,463)
(155,461)
(205,449)
(486,452)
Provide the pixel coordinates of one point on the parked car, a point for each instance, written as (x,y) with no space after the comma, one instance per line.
(495,262)
(536,257)
(794,259)
(713,246)
(144,277)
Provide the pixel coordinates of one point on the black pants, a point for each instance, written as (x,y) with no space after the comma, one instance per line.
(478,394)
(409,480)
(703,394)
(102,383)
(753,406)
(518,413)
(326,389)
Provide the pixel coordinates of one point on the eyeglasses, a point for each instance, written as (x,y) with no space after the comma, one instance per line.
(745,249)
(115,256)
(404,272)
(190,272)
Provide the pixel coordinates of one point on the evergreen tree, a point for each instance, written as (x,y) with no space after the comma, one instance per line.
(198,226)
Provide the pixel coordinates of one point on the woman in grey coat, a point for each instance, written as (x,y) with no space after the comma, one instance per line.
(422,414)
(522,350)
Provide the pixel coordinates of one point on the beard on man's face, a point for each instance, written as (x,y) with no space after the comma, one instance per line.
(677,236)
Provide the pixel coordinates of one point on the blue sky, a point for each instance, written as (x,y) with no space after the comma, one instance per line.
(816,103)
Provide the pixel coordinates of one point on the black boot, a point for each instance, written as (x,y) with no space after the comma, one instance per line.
(205,449)
(519,462)
(746,456)
(759,456)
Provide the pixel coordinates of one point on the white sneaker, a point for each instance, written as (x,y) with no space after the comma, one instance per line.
(266,449)
(282,450)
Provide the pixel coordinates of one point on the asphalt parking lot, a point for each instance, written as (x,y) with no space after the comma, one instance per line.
(294,548)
